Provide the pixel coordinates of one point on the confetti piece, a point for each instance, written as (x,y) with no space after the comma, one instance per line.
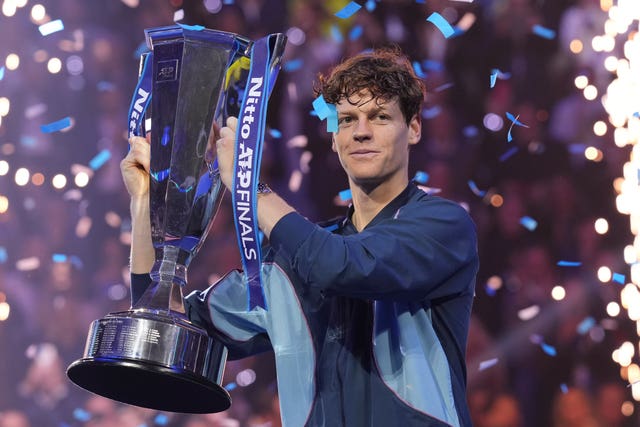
(28,264)
(445,28)
(549,349)
(564,388)
(528,313)
(493,77)
(56,126)
(230,386)
(160,175)
(355,32)
(3,255)
(81,415)
(430,113)
(58,258)
(345,195)
(321,107)
(51,27)
(275,133)
(348,10)
(619,278)
(336,34)
(431,65)
(543,32)
(166,136)
(192,27)
(421,177)
(35,110)
(295,181)
(293,65)
(585,325)
(443,87)
(487,364)
(105,86)
(475,189)
(569,263)
(514,121)
(489,290)
(1,72)
(510,152)
(529,223)
(417,68)
(161,420)
(100,159)
(332,120)
(370,5)
(178,15)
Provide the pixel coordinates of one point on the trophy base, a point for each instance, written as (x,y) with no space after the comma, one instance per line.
(154,360)
(149,386)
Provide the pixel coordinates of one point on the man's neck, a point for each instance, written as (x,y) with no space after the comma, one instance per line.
(369,201)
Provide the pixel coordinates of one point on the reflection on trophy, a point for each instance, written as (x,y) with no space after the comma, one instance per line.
(152,355)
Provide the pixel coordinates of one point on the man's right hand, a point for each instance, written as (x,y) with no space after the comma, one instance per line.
(135,173)
(135,167)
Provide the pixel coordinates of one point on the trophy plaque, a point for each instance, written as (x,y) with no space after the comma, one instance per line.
(152,355)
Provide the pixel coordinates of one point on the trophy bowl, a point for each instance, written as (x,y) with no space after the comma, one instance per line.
(152,355)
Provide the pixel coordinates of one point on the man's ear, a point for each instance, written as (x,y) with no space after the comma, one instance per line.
(415,130)
(333,143)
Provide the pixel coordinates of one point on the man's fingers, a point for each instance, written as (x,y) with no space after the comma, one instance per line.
(232,122)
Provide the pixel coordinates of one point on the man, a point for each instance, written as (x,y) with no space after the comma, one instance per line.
(368,322)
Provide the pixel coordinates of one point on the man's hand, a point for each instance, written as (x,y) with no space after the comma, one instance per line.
(225,147)
(135,167)
(135,173)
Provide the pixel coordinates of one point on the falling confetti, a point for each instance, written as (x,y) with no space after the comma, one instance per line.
(529,223)
(569,264)
(57,125)
(445,28)
(348,10)
(487,364)
(543,32)
(51,27)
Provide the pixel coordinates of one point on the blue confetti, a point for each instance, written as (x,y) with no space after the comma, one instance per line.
(510,152)
(161,420)
(332,119)
(445,28)
(489,290)
(549,349)
(370,5)
(421,177)
(543,32)
(51,27)
(514,121)
(336,34)
(443,87)
(345,195)
(3,255)
(470,131)
(569,264)
(564,388)
(58,258)
(1,72)
(475,189)
(81,415)
(493,77)
(348,10)
(166,136)
(417,68)
(586,325)
(430,113)
(100,159)
(142,48)
(636,114)
(431,65)
(619,278)
(56,126)
(275,133)
(529,223)
(355,32)
(293,65)
(230,386)
(192,27)
(160,175)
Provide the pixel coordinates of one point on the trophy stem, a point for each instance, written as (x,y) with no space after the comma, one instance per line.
(165,292)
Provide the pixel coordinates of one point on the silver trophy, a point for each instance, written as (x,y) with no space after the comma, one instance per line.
(152,355)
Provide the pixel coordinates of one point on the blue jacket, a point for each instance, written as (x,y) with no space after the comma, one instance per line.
(368,328)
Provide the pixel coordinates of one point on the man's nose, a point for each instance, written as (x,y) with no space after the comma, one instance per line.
(362,131)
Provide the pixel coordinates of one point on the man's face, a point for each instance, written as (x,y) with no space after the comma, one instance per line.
(373,140)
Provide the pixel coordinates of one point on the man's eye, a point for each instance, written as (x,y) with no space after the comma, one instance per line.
(344,120)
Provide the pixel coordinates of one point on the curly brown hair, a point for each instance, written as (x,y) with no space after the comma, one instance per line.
(386,73)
